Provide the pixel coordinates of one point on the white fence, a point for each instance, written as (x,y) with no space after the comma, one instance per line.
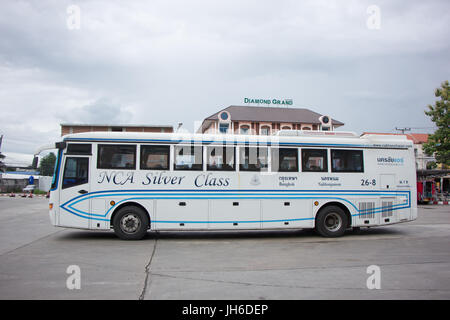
(44,183)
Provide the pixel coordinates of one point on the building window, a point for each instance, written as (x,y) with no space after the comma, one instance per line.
(116,156)
(224,116)
(155,157)
(220,159)
(244,129)
(314,160)
(223,127)
(285,159)
(253,159)
(265,131)
(285,128)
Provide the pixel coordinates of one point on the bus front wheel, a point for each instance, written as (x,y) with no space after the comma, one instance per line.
(131,223)
(331,221)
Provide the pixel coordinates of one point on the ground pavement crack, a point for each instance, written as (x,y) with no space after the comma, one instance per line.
(31,242)
(147,270)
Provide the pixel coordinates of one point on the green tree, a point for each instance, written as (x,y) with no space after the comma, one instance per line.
(47,165)
(439,142)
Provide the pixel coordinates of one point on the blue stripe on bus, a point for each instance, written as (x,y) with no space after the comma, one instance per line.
(283,194)
(229,192)
(280,196)
(237,190)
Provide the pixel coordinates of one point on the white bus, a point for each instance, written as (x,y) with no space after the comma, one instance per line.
(134,182)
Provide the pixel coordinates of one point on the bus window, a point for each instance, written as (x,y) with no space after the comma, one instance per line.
(220,159)
(347,161)
(56,170)
(188,158)
(75,172)
(314,160)
(116,156)
(79,149)
(253,159)
(155,157)
(285,159)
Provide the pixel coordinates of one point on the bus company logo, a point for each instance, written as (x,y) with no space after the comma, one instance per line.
(255,180)
(390,161)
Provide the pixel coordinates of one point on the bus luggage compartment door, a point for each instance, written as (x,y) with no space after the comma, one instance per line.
(235,214)
(181,214)
(287,213)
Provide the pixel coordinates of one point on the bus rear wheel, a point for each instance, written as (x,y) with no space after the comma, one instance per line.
(331,221)
(131,223)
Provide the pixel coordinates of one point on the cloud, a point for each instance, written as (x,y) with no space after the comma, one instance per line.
(101,111)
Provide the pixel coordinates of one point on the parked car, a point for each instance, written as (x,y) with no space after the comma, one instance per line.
(29,188)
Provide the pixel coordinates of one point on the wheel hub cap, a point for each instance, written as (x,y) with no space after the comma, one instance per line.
(130,223)
(333,222)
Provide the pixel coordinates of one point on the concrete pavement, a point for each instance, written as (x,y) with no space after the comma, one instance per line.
(414,259)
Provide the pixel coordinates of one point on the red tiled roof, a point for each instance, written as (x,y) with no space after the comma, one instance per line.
(416,138)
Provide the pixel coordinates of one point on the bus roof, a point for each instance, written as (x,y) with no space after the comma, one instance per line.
(329,140)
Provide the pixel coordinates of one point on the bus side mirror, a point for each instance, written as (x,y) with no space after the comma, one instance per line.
(35,162)
(60,145)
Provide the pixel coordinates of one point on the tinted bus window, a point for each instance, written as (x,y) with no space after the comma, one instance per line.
(285,159)
(116,156)
(314,160)
(347,161)
(220,158)
(253,159)
(155,157)
(188,158)
(75,172)
(79,148)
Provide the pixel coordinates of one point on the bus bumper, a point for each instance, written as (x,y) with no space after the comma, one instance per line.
(414,213)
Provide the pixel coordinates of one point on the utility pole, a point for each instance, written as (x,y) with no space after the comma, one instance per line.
(403,129)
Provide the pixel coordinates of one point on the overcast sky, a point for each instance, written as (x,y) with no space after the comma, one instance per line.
(164,62)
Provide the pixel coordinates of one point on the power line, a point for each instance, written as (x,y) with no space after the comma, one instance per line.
(403,129)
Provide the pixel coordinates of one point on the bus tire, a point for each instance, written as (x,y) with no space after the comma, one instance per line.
(131,223)
(331,221)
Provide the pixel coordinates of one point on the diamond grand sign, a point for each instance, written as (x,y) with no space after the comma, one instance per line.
(284,102)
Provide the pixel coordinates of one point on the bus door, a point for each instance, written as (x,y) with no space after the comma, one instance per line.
(74,183)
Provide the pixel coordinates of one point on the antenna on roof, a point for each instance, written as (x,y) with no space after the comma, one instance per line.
(403,129)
